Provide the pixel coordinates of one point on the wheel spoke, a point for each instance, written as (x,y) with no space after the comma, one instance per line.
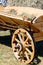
(28,45)
(20,37)
(26,40)
(17,40)
(27,55)
(23,37)
(28,51)
(19,52)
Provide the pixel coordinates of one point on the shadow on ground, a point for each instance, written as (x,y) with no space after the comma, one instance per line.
(39,53)
(39,47)
(6,40)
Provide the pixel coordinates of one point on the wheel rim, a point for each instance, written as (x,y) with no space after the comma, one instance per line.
(23,46)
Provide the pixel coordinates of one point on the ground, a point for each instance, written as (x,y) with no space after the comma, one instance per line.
(7,56)
(28,3)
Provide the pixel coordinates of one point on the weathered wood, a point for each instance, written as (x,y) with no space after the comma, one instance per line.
(38,36)
(39,26)
(28,10)
(12,20)
(15,22)
(39,23)
(39,19)
(19,22)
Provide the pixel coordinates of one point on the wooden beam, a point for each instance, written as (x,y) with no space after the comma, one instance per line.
(38,36)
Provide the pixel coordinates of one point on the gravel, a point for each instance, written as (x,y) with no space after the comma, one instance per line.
(27,3)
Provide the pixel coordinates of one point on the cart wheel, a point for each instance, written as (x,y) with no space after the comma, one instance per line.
(23,46)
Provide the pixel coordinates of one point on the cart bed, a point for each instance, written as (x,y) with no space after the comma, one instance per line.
(39,24)
(12,20)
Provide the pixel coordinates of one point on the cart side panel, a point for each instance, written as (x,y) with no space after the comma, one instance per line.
(12,21)
(38,36)
(39,24)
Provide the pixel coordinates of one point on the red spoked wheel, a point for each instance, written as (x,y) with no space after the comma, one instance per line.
(23,46)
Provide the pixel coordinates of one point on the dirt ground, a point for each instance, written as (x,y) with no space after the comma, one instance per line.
(7,56)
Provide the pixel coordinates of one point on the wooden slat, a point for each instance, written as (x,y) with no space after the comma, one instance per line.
(38,39)
(39,26)
(7,20)
(38,36)
(19,22)
(28,10)
(36,27)
(39,23)
(39,19)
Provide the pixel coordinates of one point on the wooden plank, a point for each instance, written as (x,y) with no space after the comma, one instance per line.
(38,36)
(28,10)
(7,20)
(26,24)
(38,39)
(19,22)
(39,19)
(39,23)
(39,26)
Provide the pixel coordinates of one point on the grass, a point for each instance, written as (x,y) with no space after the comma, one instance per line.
(7,57)
(6,52)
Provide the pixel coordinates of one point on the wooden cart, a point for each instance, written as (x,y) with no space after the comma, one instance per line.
(26,30)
